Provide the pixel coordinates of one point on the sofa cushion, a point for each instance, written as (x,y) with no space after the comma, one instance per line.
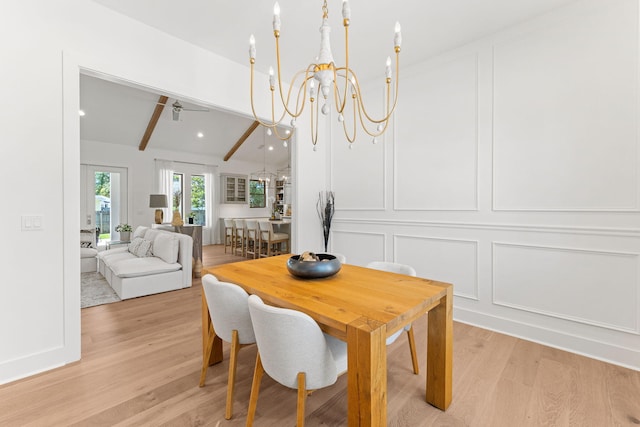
(88,253)
(140,231)
(135,267)
(166,247)
(140,247)
(116,257)
(109,252)
(151,234)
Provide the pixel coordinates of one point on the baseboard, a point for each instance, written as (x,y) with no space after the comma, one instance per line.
(27,366)
(606,352)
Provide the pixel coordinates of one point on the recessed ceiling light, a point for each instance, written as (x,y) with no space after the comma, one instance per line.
(200,134)
(82,113)
(271,148)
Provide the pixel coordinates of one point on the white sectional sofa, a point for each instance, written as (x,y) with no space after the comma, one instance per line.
(88,251)
(156,261)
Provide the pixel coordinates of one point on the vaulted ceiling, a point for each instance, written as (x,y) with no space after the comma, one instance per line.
(428,27)
(119,114)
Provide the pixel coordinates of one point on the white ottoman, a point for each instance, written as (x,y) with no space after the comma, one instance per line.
(88,260)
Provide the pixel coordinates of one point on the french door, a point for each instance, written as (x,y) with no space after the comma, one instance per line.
(103,201)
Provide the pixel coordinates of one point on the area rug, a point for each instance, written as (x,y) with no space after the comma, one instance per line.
(95,290)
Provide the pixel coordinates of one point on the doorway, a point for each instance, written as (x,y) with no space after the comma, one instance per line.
(103,200)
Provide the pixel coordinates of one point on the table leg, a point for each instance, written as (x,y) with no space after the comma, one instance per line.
(440,353)
(216,350)
(367,373)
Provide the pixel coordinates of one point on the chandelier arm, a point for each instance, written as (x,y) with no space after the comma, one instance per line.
(314,135)
(340,107)
(302,90)
(395,101)
(363,122)
(263,123)
(336,94)
(344,125)
(286,104)
(315,138)
(280,137)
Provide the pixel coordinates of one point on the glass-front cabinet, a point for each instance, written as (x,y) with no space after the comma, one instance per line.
(234,188)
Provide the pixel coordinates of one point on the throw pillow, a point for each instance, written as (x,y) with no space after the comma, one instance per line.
(140,231)
(165,246)
(140,247)
(87,238)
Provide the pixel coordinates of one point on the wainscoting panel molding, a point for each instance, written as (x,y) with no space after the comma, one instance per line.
(593,287)
(359,247)
(437,138)
(513,172)
(359,175)
(447,260)
(565,116)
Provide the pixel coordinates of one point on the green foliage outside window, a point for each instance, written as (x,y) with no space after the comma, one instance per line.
(197,192)
(257,197)
(103,184)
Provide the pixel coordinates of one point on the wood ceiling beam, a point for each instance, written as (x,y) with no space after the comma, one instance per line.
(152,122)
(242,139)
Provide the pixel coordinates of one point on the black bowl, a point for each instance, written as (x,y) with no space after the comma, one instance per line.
(327,266)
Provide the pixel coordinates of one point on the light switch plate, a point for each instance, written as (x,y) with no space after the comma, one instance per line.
(32,222)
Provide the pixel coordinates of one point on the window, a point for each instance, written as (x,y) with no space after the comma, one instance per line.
(257,197)
(178,190)
(198,212)
(190,193)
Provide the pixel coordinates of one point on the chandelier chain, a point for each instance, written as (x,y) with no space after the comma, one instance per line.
(325,10)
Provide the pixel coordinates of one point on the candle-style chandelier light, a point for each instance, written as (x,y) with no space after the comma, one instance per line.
(321,78)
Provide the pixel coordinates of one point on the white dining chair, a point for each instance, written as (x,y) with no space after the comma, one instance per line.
(293,350)
(341,257)
(229,313)
(394,267)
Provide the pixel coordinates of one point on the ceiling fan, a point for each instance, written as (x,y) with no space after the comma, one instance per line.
(177,108)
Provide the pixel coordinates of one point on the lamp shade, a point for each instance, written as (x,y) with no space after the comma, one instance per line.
(158,201)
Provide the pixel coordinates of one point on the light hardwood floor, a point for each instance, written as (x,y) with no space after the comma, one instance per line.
(141,364)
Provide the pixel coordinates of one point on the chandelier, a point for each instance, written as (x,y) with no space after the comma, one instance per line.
(285,173)
(320,79)
(263,176)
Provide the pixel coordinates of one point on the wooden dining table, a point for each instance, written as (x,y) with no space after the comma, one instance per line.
(363,307)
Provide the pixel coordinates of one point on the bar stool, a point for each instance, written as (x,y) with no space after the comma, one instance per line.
(228,234)
(240,239)
(252,239)
(273,240)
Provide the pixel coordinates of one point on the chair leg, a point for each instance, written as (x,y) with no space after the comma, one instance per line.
(205,359)
(412,348)
(255,389)
(302,396)
(233,363)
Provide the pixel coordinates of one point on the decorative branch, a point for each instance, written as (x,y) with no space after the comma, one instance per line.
(325,208)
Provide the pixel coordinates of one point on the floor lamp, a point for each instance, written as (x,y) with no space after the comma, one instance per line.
(158,201)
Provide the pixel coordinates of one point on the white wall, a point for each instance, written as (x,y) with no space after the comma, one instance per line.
(512,172)
(488,226)
(44,46)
